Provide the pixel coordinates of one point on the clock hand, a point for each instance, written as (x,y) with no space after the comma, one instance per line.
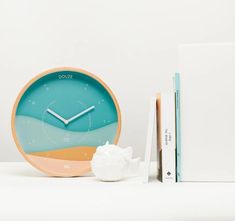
(81,113)
(57,116)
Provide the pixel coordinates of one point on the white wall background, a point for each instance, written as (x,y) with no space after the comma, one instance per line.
(131,44)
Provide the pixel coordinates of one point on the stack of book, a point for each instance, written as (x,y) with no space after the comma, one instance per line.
(167,105)
(198,144)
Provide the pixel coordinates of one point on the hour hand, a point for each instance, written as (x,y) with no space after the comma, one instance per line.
(57,116)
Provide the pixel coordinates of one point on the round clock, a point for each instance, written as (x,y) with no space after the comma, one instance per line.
(61,116)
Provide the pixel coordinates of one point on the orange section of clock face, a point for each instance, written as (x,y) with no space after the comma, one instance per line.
(73,153)
(61,168)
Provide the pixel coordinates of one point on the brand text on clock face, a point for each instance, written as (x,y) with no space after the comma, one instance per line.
(65,76)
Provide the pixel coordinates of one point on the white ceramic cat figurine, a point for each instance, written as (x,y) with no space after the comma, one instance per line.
(113,163)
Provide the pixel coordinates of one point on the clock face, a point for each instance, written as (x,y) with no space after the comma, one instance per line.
(60,118)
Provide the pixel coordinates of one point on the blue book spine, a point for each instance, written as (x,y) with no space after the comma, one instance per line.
(178,127)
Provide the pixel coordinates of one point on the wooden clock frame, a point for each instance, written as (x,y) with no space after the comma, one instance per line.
(37,77)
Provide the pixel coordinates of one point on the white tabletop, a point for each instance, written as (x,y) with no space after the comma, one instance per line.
(26,194)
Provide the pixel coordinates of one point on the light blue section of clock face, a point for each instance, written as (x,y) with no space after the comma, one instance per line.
(67,93)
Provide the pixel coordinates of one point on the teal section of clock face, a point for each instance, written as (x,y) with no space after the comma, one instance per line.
(67,97)
(67,93)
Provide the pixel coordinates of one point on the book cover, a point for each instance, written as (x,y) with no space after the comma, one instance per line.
(166,136)
(207,103)
(152,122)
(177,126)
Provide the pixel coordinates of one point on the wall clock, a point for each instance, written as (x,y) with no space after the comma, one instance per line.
(61,116)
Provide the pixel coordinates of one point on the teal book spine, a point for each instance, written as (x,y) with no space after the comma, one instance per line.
(178,127)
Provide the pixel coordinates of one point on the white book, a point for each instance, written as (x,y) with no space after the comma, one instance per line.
(150,138)
(166,136)
(207,94)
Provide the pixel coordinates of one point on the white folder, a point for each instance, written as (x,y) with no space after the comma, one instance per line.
(207,78)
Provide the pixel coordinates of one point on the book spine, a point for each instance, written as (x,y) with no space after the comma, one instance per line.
(178,132)
(168,141)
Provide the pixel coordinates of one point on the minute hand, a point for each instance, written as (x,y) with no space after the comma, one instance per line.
(81,113)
